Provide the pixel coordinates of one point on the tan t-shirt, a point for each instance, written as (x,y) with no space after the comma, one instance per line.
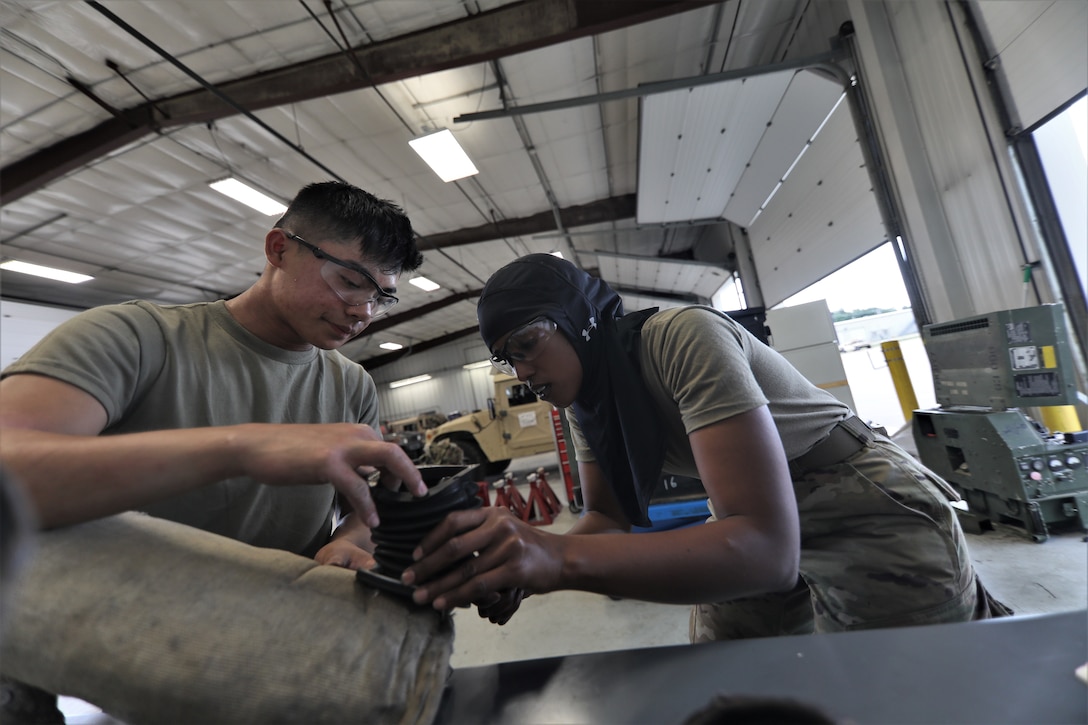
(700,367)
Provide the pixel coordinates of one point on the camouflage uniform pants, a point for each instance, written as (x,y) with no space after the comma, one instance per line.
(880,547)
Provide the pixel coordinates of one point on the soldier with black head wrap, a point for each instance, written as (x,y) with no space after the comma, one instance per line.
(818,524)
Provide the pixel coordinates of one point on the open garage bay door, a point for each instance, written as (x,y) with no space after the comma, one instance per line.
(774,151)
(1040,52)
(823,216)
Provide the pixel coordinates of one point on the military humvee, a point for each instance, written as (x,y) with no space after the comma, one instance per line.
(515,424)
(410,433)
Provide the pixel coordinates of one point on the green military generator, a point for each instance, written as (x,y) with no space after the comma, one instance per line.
(1008,467)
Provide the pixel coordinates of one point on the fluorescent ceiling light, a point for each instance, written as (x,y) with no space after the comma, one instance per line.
(39,271)
(424,284)
(477,365)
(391,346)
(409,381)
(249,196)
(557,253)
(444,155)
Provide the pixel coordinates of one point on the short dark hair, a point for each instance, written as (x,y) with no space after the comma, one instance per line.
(336,210)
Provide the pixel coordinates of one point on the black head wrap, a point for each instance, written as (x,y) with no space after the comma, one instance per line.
(613,405)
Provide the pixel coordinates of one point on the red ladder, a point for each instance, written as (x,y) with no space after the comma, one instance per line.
(564,458)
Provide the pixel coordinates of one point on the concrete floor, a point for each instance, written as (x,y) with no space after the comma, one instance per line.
(1028,577)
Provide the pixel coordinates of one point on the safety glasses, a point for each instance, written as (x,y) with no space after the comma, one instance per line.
(524,344)
(349,281)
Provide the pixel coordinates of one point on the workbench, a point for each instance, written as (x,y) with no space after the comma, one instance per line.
(1013,670)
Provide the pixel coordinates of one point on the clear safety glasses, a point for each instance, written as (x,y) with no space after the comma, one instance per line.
(524,344)
(349,281)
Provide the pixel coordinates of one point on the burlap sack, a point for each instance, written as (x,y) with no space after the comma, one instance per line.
(156,622)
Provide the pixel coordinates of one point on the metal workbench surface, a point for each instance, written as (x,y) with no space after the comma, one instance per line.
(1012,670)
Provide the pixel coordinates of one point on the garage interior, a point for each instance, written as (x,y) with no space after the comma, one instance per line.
(687,152)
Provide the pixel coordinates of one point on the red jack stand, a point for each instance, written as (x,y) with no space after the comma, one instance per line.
(483,492)
(542,500)
(506,494)
(546,491)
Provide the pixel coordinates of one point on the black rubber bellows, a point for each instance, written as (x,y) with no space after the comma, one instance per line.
(406,519)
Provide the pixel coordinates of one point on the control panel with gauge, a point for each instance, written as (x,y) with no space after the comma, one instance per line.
(1006,468)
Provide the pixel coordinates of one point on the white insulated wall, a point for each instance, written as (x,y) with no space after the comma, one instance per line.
(451,387)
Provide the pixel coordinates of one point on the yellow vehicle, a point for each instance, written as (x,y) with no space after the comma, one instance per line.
(515,424)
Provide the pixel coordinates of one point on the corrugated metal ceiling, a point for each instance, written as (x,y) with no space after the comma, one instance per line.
(115,116)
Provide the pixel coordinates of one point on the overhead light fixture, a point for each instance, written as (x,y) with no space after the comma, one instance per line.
(249,196)
(444,155)
(409,381)
(477,365)
(391,346)
(557,253)
(48,272)
(424,284)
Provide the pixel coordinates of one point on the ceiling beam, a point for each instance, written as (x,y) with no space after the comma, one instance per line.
(378,360)
(384,323)
(823,61)
(506,30)
(595,212)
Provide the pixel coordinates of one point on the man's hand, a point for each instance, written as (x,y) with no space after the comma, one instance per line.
(342,552)
(342,454)
(497,552)
(350,547)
